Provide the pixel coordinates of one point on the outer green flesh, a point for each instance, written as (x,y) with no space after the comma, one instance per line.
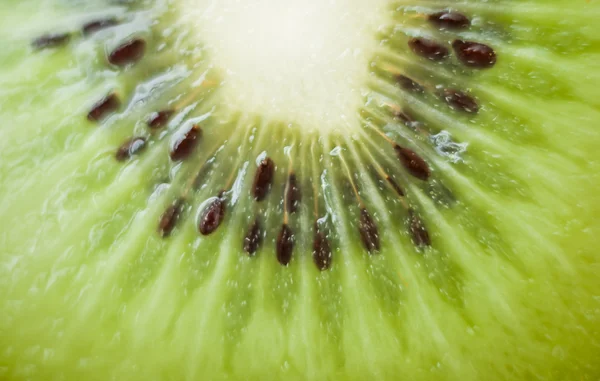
(509,289)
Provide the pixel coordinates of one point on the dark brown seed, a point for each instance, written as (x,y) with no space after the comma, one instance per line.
(97,25)
(294,196)
(131,147)
(395,186)
(408,84)
(285,245)
(449,20)
(418,232)
(415,165)
(368,231)
(212,216)
(51,41)
(263,179)
(427,48)
(321,250)
(474,54)
(460,101)
(185,143)
(159,119)
(104,107)
(409,121)
(406,118)
(169,218)
(253,238)
(128,53)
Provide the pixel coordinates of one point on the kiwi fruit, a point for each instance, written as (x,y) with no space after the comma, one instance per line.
(299,190)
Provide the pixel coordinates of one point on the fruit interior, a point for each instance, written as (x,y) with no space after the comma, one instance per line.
(427,218)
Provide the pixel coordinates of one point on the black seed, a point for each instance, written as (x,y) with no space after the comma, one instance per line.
(418,232)
(449,20)
(405,117)
(104,107)
(263,179)
(409,84)
(368,231)
(159,119)
(321,250)
(131,147)
(128,53)
(415,165)
(285,245)
(395,186)
(186,143)
(474,54)
(294,196)
(169,218)
(253,238)
(212,216)
(460,101)
(51,41)
(97,25)
(427,48)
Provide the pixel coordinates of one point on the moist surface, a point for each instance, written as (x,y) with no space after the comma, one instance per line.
(408,194)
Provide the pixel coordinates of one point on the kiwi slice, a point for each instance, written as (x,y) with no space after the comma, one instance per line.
(299,190)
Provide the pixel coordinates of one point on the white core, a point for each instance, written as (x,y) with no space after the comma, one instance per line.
(297,61)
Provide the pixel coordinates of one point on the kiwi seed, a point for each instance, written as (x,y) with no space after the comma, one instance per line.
(395,186)
(263,179)
(415,164)
(368,231)
(450,20)
(419,233)
(285,245)
(185,144)
(98,25)
(51,41)
(104,107)
(322,255)
(460,101)
(408,84)
(474,54)
(159,119)
(212,216)
(131,147)
(128,53)
(169,218)
(429,49)
(425,154)
(253,238)
(294,195)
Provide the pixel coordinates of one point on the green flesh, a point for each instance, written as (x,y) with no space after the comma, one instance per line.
(508,290)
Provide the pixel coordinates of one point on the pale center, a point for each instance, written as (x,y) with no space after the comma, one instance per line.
(299,61)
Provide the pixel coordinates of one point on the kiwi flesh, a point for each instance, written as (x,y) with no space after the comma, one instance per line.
(184,201)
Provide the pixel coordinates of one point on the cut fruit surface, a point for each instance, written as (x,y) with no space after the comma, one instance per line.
(322,190)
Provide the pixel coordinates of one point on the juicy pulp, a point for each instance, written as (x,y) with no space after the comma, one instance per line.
(509,290)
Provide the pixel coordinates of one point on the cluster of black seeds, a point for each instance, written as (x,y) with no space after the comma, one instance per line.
(470,54)
(455,99)
(54,40)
